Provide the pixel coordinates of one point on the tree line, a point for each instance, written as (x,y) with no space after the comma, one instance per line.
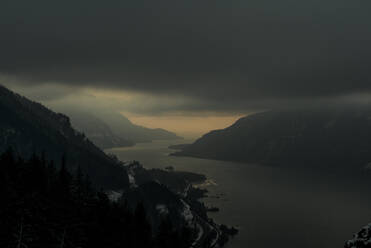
(43,205)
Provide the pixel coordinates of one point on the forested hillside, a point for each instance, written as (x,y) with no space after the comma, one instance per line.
(326,138)
(43,206)
(29,127)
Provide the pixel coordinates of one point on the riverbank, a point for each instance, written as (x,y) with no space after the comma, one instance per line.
(271,206)
(184,185)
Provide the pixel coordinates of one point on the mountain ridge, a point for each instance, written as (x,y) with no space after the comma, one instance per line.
(97,130)
(31,128)
(314,137)
(109,129)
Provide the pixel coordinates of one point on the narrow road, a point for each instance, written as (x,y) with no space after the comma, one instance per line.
(205,229)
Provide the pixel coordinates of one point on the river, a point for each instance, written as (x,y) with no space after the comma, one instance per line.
(272,207)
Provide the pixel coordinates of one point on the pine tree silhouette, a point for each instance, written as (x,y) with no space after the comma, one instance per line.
(46,207)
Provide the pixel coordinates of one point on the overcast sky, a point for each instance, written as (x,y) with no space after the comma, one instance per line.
(195,56)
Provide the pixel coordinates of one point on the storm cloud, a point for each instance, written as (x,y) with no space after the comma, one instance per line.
(217,55)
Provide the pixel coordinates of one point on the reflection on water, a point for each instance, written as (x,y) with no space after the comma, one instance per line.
(272,207)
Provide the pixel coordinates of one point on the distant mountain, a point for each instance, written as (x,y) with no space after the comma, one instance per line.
(109,129)
(28,127)
(97,130)
(124,128)
(325,138)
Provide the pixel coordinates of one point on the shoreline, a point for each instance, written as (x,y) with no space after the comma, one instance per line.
(188,187)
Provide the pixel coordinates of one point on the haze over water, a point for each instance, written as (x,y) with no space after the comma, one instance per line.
(272,207)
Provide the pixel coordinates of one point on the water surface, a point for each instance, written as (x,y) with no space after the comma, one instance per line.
(272,207)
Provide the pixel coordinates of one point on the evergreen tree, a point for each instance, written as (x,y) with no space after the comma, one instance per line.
(142,227)
(64,181)
(46,207)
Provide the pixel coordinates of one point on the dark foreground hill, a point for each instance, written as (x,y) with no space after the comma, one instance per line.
(43,207)
(327,138)
(30,128)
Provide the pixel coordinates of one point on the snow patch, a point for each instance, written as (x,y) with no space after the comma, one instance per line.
(114,195)
(187,213)
(162,209)
(132,180)
(131,175)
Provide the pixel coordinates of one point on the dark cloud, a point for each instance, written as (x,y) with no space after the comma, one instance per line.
(223,54)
